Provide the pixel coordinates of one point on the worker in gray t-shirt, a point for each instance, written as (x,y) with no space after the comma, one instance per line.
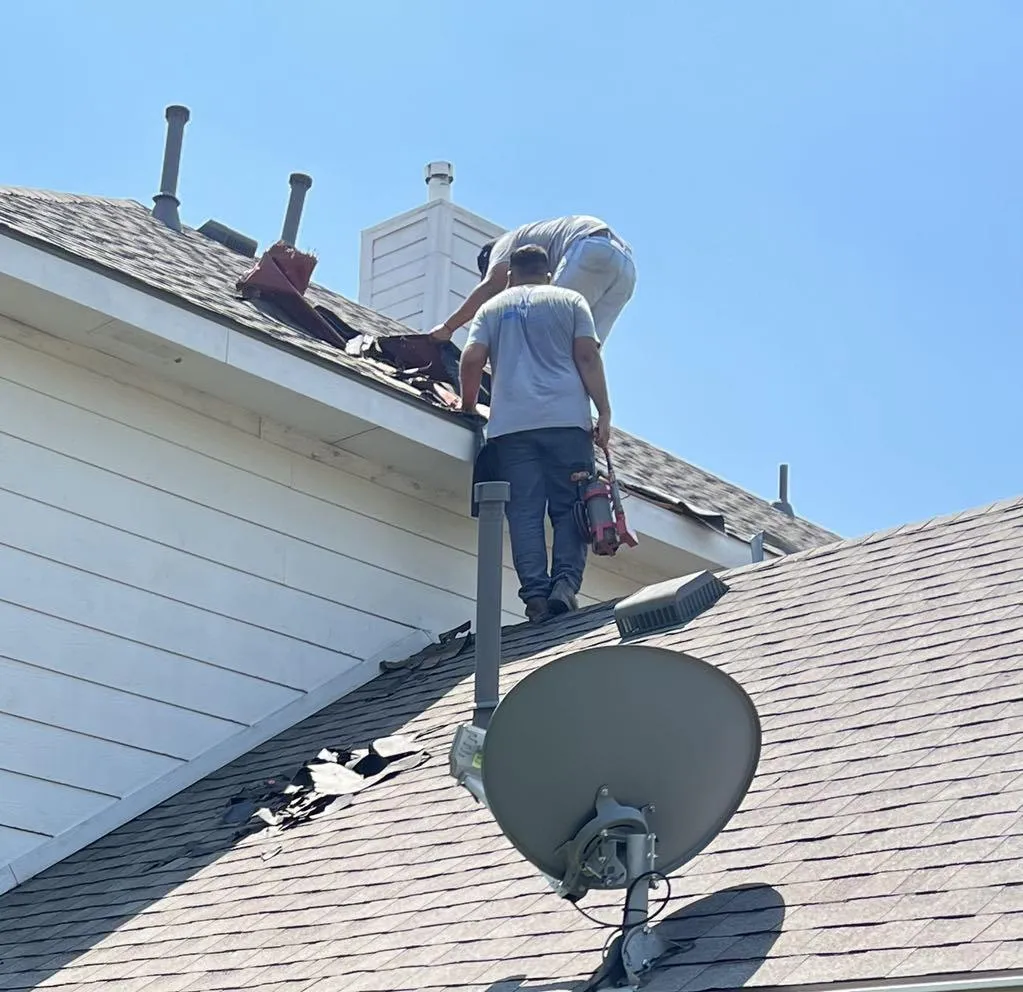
(585,255)
(545,368)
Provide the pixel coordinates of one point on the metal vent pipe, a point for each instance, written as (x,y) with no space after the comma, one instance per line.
(782,502)
(491,497)
(166,203)
(300,184)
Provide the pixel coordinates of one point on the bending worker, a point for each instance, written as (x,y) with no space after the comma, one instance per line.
(585,255)
(545,368)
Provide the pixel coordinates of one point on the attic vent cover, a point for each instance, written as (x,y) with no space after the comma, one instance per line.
(668,604)
(235,240)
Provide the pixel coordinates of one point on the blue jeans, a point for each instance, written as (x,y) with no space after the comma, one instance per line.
(538,465)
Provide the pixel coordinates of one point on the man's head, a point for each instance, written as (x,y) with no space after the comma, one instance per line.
(529,265)
(483,258)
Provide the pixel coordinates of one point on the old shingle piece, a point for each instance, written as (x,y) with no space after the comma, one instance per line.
(123,239)
(897,859)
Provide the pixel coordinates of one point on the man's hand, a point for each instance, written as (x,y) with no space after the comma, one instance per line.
(442,333)
(602,430)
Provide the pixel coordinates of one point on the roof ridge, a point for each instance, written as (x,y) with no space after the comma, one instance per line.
(58,196)
(887,533)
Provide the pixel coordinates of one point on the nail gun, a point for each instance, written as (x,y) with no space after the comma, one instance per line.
(599,513)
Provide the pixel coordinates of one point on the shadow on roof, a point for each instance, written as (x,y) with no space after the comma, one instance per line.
(723,940)
(51,920)
(733,928)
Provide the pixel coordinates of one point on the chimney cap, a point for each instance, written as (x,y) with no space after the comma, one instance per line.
(178,111)
(300,179)
(439,177)
(443,171)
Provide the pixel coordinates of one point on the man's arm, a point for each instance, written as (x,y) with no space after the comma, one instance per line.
(586,353)
(496,280)
(470,374)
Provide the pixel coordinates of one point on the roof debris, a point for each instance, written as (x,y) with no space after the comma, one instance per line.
(448,646)
(322,786)
(280,279)
(319,788)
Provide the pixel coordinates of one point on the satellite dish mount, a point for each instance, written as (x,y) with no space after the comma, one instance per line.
(616,849)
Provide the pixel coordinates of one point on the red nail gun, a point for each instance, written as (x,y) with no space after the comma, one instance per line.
(599,511)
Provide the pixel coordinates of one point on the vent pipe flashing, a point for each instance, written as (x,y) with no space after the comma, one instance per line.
(668,604)
(491,497)
(300,184)
(166,203)
(782,502)
(439,177)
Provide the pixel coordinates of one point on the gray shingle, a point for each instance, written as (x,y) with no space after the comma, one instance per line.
(414,887)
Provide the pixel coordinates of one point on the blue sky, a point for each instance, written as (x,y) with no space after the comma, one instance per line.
(824,196)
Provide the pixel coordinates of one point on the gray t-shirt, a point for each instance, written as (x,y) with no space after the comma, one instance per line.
(530,331)
(554,236)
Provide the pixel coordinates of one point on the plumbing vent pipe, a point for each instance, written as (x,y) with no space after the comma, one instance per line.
(782,502)
(491,498)
(166,203)
(300,184)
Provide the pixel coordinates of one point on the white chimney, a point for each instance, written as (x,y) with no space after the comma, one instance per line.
(419,266)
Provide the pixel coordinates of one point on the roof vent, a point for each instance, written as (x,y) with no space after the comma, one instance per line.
(166,203)
(439,177)
(782,502)
(669,604)
(239,243)
(300,185)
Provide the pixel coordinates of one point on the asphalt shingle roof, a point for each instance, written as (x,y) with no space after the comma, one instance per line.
(123,238)
(880,839)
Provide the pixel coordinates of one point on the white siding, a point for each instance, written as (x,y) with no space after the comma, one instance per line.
(175,572)
(397,271)
(419,266)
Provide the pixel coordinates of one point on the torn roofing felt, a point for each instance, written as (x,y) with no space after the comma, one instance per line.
(879,841)
(123,240)
(322,786)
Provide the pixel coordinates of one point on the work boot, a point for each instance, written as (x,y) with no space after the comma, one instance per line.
(562,599)
(536,609)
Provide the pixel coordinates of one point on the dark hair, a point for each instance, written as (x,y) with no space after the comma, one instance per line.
(483,258)
(530,260)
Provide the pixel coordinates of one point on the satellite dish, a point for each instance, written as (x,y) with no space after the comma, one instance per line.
(615,762)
